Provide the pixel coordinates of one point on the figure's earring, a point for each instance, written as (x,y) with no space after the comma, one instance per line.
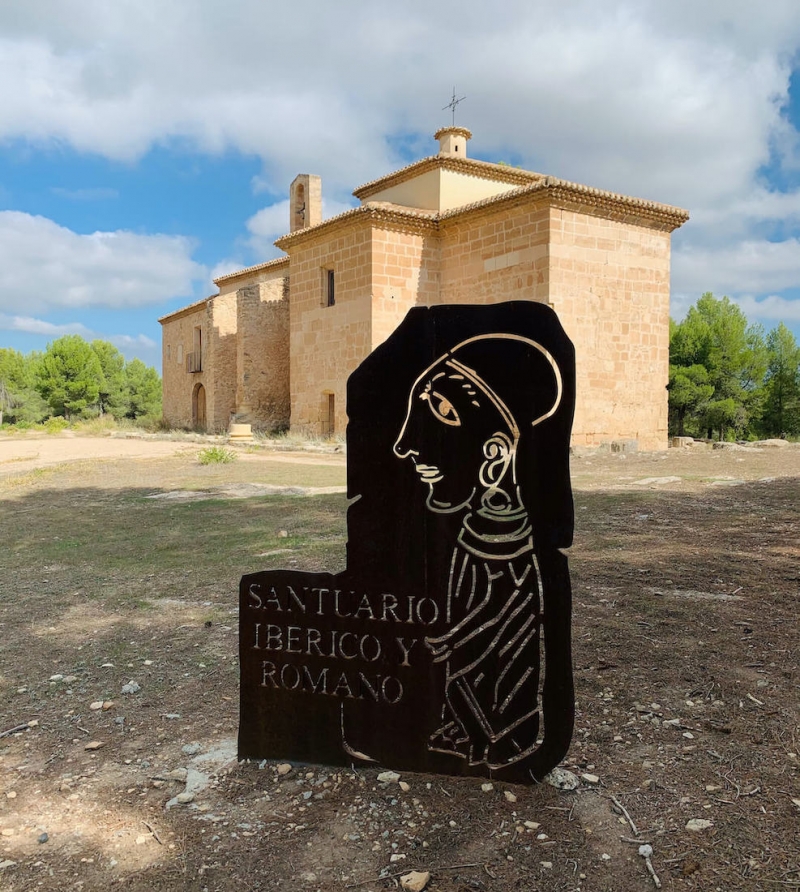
(498,452)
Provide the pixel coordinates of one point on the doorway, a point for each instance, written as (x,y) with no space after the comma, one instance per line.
(199,407)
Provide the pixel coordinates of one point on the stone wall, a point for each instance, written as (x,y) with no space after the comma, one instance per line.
(177,342)
(328,342)
(221,377)
(609,284)
(262,393)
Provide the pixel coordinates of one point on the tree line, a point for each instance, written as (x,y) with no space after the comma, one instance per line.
(75,379)
(729,379)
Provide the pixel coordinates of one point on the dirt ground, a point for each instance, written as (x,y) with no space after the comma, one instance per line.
(118,684)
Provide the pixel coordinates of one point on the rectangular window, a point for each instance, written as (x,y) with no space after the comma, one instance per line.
(169,351)
(329,284)
(196,356)
(328,415)
(180,354)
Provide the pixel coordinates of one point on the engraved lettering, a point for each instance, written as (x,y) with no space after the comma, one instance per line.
(253,591)
(286,672)
(388,607)
(398,689)
(434,615)
(363,649)
(274,638)
(320,686)
(255,642)
(273,600)
(347,656)
(292,644)
(344,685)
(268,671)
(364,606)
(336,606)
(294,597)
(313,639)
(405,649)
(373,692)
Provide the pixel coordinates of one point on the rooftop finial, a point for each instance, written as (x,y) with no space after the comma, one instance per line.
(452,105)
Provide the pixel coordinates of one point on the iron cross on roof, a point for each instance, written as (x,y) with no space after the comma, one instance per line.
(452,105)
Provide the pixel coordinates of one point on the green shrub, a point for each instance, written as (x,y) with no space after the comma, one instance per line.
(55,425)
(216,455)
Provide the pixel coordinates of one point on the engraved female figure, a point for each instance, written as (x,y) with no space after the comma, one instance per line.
(468,421)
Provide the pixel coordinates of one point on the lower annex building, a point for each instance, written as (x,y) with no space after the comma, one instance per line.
(276,345)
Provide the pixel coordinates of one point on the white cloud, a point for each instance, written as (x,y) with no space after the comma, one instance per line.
(752,266)
(773,308)
(44,266)
(272,222)
(682,102)
(29,325)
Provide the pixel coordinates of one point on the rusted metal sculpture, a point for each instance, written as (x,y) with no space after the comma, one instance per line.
(445,644)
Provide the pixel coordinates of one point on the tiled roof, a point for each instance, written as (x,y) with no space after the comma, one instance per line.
(190,308)
(251,269)
(501,173)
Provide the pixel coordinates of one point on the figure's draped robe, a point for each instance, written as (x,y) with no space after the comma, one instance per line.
(492,707)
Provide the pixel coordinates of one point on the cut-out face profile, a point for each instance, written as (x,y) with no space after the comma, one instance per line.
(460,433)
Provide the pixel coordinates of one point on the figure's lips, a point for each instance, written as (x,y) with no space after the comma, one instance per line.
(429,473)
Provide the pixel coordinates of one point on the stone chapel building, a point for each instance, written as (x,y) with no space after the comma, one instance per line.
(275,346)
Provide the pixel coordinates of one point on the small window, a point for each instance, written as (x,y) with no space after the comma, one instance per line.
(180,354)
(328,414)
(330,287)
(169,351)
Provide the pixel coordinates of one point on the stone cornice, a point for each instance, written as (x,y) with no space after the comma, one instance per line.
(544,191)
(249,270)
(459,131)
(376,213)
(186,311)
(484,170)
(563,193)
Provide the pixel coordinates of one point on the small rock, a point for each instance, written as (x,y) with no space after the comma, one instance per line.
(142,838)
(605,857)
(178,774)
(94,745)
(546,864)
(487,788)
(590,778)
(404,786)
(388,777)
(172,715)
(107,704)
(43,838)
(6,863)
(33,723)
(283,534)
(148,663)
(68,679)
(397,857)
(97,704)
(184,798)
(452,824)
(532,825)
(415,881)
(688,735)
(308,877)
(646,851)
(698,824)
(11,794)
(191,749)
(56,678)
(131,688)
(562,779)
(510,797)
(284,768)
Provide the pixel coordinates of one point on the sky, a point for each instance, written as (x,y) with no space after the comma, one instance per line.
(148,146)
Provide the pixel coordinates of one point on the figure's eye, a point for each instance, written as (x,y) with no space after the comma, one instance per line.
(443,410)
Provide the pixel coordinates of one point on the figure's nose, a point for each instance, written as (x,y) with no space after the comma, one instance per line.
(402,447)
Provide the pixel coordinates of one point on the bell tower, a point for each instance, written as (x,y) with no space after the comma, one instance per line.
(305,201)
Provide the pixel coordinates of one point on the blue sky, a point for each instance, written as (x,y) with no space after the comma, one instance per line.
(147,147)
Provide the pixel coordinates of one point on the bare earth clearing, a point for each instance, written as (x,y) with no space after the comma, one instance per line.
(120,565)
